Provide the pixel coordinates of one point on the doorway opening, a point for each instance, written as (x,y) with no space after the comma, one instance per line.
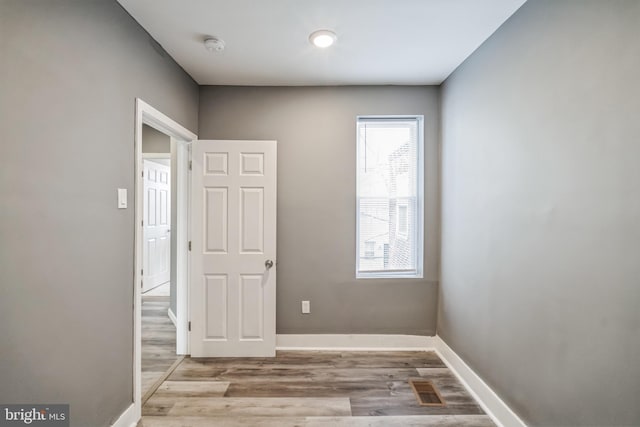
(159,351)
(161,279)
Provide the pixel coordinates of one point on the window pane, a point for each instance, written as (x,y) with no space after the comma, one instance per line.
(388,195)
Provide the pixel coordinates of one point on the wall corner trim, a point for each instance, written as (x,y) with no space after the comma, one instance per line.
(492,404)
(128,418)
(172,317)
(357,342)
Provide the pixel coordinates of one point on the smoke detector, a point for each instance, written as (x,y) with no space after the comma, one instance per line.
(213,44)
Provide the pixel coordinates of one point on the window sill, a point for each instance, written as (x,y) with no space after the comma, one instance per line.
(389,275)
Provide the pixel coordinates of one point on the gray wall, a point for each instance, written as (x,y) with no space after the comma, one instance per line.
(540,276)
(69,75)
(315,129)
(154,141)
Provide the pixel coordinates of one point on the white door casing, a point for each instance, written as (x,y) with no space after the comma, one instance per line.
(156,225)
(233,290)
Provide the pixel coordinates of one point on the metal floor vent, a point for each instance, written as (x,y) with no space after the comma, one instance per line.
(426,393)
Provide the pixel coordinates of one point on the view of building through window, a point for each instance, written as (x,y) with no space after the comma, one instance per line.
(389,196)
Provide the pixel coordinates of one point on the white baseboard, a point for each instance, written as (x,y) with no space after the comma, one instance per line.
(128,418)
(172,317)
(356,342)
(495,407)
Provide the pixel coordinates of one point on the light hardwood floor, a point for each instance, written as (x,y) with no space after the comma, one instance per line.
(158,340)
(303,388)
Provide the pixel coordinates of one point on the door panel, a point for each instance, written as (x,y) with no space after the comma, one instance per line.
(156,225)
(216,302)
(252,220)
(233,235)
(251,318)
(216,220)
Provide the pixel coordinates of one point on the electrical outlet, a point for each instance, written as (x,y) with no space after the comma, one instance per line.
(306,307)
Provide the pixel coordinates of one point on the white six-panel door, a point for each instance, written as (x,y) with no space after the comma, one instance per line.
(156,253)
(233,273)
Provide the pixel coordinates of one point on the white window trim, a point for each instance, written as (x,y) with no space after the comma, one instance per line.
(418,273)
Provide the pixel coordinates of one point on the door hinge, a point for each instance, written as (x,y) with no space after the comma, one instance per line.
(189,244)
(190,165)
(142,223)
(142,272)
(189,325)
(143,174)
(141,284)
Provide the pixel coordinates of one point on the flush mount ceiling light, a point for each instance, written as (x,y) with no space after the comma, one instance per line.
(214,44)
(323,38)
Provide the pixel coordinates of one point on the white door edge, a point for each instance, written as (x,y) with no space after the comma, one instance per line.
(182,247)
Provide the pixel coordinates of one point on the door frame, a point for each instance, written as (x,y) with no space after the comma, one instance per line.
(146,114)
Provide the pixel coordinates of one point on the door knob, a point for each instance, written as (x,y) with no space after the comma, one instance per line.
(268,263)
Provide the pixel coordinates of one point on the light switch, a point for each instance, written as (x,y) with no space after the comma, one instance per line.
(122,198)
(306,307)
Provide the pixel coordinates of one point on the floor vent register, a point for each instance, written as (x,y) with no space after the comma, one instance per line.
(426,393)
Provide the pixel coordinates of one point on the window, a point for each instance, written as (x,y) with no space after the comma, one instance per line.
(390,197)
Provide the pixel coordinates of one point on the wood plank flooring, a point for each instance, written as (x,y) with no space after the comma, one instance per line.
(395,421)
(158,340)
(309,388)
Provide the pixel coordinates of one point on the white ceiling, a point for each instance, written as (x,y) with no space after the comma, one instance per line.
(403,42)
